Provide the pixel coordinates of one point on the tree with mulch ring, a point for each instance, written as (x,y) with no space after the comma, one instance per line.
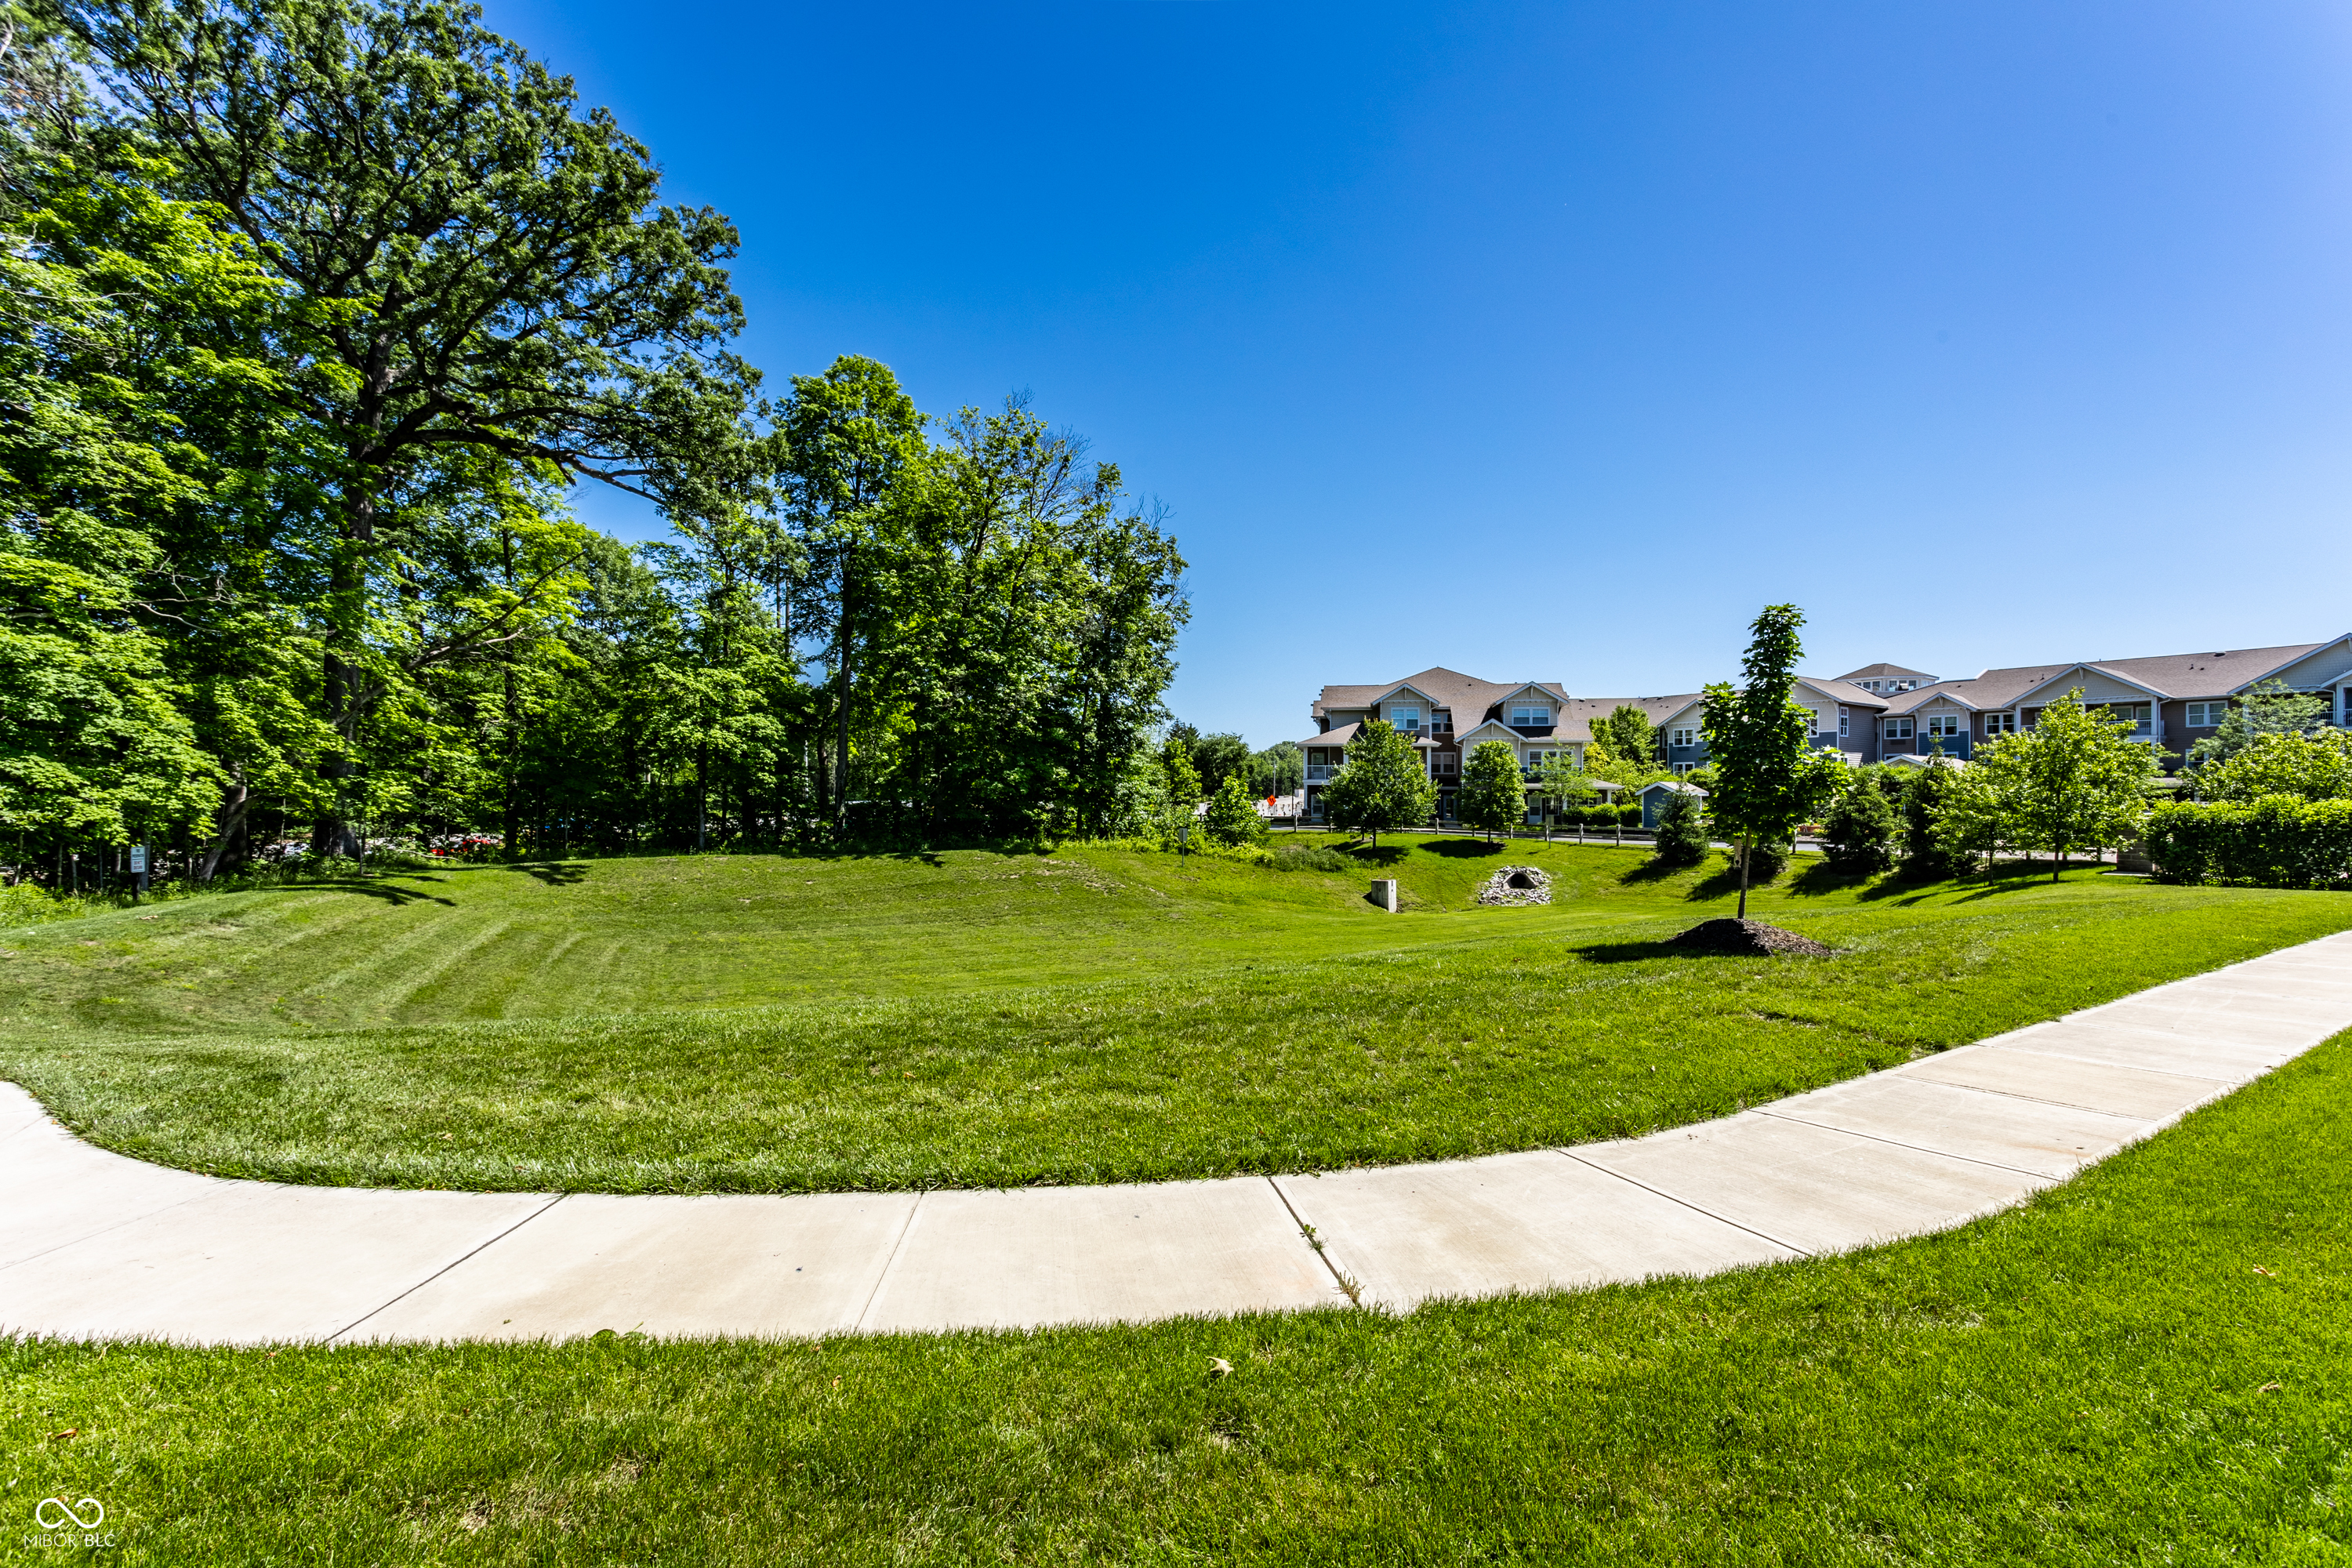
(1750,939)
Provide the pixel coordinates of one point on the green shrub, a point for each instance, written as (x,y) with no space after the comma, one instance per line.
(1858,832)
(1629,815)
(1765,862)
(2277,841)
(1681,831)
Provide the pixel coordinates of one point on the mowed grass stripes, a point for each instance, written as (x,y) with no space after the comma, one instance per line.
(777,1024)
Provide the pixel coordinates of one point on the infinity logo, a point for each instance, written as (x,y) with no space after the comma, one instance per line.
(66,1514)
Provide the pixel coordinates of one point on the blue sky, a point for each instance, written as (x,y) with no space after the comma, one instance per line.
(1550,341)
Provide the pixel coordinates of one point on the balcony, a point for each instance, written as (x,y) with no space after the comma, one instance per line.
(1321,773)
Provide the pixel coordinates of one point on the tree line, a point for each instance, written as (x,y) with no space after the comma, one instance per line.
(315,313)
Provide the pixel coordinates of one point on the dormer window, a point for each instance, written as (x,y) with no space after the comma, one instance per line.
(1405,718)
(1526,716)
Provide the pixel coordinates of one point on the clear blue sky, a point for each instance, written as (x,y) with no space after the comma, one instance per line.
(1549,342)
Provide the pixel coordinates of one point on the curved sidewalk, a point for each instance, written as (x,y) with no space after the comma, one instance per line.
(96,1245)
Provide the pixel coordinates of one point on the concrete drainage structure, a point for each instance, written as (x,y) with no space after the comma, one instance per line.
(1516,885)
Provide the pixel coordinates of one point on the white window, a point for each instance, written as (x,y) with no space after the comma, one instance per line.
(1529,717)
(1442,761)
(1899,728)
(1943,726)
(2205,715)
(1405,718)
(2139,713)
(1845,724)
(1682,768)
(2001,724)
(1683,737)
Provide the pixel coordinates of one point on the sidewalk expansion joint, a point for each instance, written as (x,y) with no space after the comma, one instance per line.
(1921,1148)
(1351,1289)
(1694,1208)
(897,1242)
(470,1252)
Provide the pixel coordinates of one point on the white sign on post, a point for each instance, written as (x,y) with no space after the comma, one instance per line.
(139,859)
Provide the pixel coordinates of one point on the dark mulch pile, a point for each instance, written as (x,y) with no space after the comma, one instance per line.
(1750,939)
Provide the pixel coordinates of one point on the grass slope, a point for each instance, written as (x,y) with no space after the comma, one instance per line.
(974,1019)
(2148,1365)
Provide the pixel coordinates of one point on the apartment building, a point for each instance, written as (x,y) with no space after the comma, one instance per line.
(1879,713)
(1445,713)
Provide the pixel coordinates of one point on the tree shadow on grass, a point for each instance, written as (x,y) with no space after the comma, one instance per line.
(1633,952)
(1386,856)
(1821,878)
(1650,870)
(383,890)
(1462,848)
(554,873)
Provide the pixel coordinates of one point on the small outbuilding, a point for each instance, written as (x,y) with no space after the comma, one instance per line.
(1653,797)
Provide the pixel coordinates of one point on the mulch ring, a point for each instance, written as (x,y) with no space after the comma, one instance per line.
(1750,939)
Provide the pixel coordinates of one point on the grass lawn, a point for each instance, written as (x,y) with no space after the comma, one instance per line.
(762,1024)
(2149,1364)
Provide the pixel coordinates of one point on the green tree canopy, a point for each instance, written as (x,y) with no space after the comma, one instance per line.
(1279,770)
(1627,733)
(1383,786)
(2268,708)
(2073,782)
(1491,795)
(1233,816)
(2307,765)
(1768,778)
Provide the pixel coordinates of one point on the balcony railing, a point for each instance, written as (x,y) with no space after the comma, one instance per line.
(1321,773)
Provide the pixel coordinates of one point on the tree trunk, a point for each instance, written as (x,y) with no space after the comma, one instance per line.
(232,824)
(1747,841)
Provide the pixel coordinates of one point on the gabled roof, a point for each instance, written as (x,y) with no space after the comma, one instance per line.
(1887,672)
(1577,714)
(1677,785)
(1955,691)
(1338,737)
(2110,671)
(1465,696)
(1841,691)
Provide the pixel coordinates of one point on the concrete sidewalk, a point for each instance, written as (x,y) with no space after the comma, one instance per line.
(96,1245)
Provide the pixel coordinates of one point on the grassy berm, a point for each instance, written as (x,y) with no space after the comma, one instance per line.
(970,1018)
(2147,1365)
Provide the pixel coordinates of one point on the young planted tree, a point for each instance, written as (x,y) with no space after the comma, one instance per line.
(1232,817)
(1563,786)
(2073,782)
(1491,795)
(1383,786)
(1179,784)
(1767,778)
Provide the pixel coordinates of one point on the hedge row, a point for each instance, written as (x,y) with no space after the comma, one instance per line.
(1627,816)
(2278,841)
